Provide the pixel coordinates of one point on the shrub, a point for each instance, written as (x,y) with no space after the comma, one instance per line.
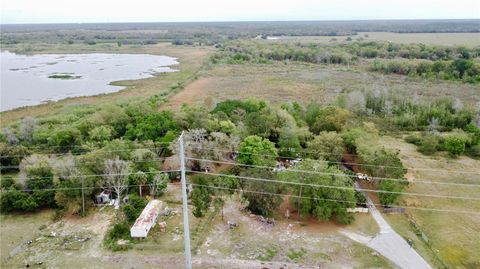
(15,200)
(326,145)
(117,232)
(475,151)
(455,144)
(387,198)
(134,207)
(413,139)
(428,145)
(255,150)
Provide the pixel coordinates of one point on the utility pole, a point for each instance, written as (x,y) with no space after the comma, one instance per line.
(186,227)
(83,197)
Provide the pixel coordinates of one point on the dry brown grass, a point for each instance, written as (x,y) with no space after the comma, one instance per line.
(280,82)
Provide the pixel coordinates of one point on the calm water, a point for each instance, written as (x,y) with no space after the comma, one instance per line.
(30,80)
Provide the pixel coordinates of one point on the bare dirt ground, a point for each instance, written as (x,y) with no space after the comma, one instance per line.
(77,243)
(289,243)
(194,92)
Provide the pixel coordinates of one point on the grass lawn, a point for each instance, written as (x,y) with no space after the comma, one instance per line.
(451,237)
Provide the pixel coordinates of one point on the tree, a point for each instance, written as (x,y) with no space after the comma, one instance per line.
(28,125)
(262,196)
(116,172)
(326,145)
(11,156)
(16,200)
(289,142)
(356,102)
(140,179)
(158,184)
(144,159)
(64,138)
(10,136)
(101,133)
(254,150)
(134,207)
(39,180)
(225,185)
(71,185)
(329,118)
(201,195)
(152,127)
(387,198)
(321,202)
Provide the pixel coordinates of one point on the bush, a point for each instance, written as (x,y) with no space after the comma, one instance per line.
(428,144)
(475,151)
(65,138)
(17,201)
(134,207)
(455,144)
(118,231)
(386,198)
(326,145)
(329,119)
(414,139)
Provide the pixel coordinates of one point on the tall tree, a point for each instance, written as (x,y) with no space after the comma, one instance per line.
(116,172)
(321,202)
(255,150)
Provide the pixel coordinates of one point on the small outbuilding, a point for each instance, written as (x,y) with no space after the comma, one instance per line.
(146,220)
(103,197)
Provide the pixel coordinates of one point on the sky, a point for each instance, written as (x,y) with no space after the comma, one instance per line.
(88,11)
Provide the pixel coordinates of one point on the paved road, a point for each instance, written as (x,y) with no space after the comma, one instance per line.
(388,243)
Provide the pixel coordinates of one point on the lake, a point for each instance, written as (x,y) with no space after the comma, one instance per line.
(28,80)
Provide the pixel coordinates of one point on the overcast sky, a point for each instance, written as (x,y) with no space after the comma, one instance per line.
(76,11)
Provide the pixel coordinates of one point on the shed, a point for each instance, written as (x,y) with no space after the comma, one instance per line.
(103,197)
(146,220)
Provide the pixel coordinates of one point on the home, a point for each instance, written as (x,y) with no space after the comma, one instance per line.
(146,220)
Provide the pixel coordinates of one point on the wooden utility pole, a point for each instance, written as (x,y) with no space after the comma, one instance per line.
(186,227)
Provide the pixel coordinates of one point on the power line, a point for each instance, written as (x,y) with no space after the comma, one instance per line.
(91,187)
(102,175)
(336,174)
(337,200)
(341,187)
(80,154)
(144,161)
(357,164)
(76,146)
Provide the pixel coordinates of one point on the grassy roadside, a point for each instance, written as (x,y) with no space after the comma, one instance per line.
(447,240)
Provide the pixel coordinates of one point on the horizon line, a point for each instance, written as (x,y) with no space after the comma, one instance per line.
(240,21)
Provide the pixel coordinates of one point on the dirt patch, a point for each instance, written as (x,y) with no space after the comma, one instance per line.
(194,92)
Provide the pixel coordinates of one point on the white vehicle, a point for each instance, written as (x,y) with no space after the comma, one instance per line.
(361,176)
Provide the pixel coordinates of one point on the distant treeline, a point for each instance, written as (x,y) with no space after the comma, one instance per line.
(212,32)
(449,63)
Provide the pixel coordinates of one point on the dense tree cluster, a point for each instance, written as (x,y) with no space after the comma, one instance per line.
(448,63)
(130,144)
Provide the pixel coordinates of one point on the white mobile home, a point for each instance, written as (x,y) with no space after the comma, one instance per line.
(146,220)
